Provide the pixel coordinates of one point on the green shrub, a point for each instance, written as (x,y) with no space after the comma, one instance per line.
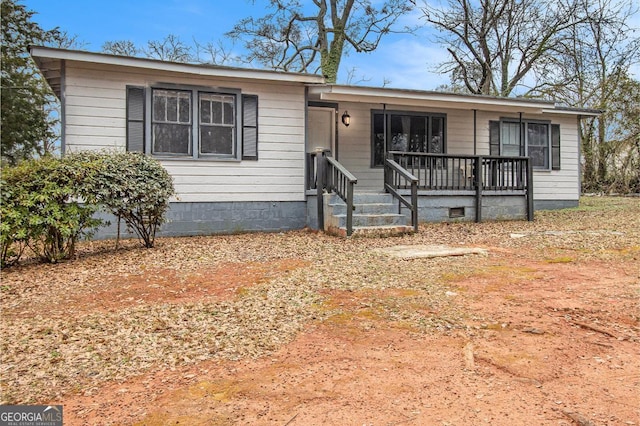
(49,204)
(40,209)
(132,186)
(13,229)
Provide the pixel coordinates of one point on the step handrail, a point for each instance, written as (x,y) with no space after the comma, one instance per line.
(341,181)
(334,177)
(393,172)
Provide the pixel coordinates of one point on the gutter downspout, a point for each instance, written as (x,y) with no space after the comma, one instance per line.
(522,151)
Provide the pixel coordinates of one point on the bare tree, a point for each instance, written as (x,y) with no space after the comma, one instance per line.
(170,48)
(64,40)
(591,69)
(496,44)
(121,47)
(313,37)
(622,118)
(352,79)
(215,53)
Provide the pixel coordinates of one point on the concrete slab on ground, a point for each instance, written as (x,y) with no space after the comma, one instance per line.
(428,251)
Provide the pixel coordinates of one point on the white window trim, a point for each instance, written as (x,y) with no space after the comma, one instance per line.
(195,134)
(525,123)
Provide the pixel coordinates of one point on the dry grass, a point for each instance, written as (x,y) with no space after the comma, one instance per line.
(56,340)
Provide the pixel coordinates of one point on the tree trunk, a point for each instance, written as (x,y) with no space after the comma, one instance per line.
(330,59)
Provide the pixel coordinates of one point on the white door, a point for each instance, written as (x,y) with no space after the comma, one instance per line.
(321,129)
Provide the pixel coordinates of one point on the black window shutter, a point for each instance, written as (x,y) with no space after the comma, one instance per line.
(555,147)
(249,127)
(135,118)
(494,138)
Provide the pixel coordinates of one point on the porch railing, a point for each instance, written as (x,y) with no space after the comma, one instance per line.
(396,177)
(334,177)
(444,172)
(312,170)
(438,171)
(340,180)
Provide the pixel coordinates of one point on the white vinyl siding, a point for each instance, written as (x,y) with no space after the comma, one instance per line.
(355,147)
(563,184)
(95,118)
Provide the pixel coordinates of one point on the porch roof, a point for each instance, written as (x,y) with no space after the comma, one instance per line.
(407,97)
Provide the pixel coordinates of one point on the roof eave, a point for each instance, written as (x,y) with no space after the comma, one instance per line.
(38,52)
(441,99)
(582,112)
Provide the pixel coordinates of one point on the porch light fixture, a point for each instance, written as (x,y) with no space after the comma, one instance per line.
(346,119)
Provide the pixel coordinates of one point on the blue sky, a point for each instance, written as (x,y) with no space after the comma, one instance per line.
(404,60)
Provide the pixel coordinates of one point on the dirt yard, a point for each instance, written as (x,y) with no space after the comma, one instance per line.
(301,328)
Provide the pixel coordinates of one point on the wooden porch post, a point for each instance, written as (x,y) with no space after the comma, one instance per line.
(384,130)
(349,210)
(520,134)
(529,190)
(321,182)
(414,203)
(477,181)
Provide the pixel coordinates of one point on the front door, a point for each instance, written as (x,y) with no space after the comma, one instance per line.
(321,129)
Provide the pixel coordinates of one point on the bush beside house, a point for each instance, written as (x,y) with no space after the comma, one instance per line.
(49,204)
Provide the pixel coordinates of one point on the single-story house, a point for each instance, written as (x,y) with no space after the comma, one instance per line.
(254,150)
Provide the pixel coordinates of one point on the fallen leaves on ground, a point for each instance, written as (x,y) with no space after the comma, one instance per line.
(69,327)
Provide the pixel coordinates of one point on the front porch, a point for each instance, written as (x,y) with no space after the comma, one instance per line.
(443,156)
(424,188)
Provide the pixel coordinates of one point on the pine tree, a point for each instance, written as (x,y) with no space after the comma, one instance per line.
(27,127)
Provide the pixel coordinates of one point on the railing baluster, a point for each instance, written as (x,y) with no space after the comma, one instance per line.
(458,172)
(445,172)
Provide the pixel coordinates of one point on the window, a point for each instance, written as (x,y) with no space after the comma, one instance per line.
(407,132)
(192,123)
(510,139)
(538,144)
(217,124)
(540,141)
(171,122)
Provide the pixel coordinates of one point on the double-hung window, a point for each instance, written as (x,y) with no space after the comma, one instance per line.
(538,144)
(217,125)
(192,123)
(171,122)
(538,140)
(510,139)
